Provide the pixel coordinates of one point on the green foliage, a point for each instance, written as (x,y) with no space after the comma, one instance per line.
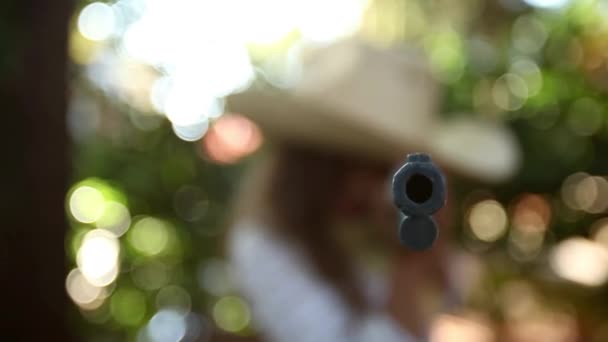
(541,72)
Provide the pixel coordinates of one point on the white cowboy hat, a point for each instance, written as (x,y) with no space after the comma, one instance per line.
(379,104)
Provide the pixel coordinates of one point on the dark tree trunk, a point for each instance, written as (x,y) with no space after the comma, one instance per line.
(35,165)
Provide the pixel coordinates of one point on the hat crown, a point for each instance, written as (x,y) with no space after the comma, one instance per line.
(392,87)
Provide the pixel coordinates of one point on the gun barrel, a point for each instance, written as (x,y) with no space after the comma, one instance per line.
(417,232)
(419,186)
(419,191)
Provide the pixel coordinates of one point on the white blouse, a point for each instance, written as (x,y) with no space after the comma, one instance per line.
(290,302)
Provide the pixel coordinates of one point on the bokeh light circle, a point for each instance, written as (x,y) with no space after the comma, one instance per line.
(191,132)
(149,236)
(166,326)
(174,298)
(97,257)
(231,138)
(231,314)
(96,21)
(86,204)
(81,291)
(487,220)
(531,212)
(581,261)
(115,218)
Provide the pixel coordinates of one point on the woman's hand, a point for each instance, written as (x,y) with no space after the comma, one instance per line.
(417,287)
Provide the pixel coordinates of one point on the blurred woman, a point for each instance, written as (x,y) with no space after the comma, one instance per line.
(314,244)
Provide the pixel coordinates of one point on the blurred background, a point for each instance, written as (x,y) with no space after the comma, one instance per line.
(133,175)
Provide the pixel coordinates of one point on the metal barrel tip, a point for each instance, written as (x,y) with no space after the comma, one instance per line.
(419,190)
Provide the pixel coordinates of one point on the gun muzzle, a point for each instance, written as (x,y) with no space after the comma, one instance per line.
(419,191)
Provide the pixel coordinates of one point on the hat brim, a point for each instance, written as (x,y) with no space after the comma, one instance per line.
(481,150)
